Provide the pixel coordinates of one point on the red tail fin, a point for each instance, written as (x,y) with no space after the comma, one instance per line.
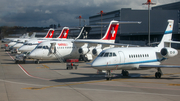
(50,33)
(111,31)
(64,33)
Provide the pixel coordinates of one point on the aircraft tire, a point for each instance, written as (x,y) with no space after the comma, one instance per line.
(108,78)
(158,75)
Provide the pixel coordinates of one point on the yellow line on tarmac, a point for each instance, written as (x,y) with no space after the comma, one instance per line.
(174,84)
(44,66)
(35,88)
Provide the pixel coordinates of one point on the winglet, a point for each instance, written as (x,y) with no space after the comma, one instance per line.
(64,33)
(50,33)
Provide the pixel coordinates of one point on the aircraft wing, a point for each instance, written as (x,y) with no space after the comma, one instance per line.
(158,66)
(80,43)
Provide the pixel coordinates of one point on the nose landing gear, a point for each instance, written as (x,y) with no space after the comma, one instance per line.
(108,76)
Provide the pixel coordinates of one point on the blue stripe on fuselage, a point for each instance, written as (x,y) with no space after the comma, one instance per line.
(138,62)
(168,32)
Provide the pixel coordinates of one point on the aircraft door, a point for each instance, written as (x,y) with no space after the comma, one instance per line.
(52,49)
(121,57)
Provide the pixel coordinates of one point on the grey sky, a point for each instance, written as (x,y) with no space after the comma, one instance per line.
(42,13)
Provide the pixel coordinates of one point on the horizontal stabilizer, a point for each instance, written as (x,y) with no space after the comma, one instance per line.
(122,22)
(172,42)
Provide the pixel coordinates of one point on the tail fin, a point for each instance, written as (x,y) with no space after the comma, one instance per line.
(84,33)
(33,35)
(167,35)
(64,33)
(50,33)
(111,31)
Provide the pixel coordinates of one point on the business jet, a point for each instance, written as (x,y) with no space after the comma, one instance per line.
(69,49)
(137,58)
(31,44)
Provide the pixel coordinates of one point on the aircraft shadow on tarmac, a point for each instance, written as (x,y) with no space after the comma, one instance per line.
(92,77)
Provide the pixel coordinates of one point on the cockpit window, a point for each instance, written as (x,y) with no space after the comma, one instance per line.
(110,54)
(114,54)
(39,46)
(106,54)
(101,54)
(45,47)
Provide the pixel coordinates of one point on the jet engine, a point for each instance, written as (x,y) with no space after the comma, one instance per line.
(96,51)
(83,51)
(168,52)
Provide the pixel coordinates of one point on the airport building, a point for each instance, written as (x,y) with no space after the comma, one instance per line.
(138,33)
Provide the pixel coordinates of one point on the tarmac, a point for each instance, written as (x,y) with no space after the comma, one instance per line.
(51,81)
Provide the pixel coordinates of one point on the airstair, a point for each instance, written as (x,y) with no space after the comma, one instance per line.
(52,50)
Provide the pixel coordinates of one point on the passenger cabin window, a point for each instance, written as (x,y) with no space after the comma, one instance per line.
(138,55)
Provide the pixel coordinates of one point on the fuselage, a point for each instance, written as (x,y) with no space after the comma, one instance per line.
(64,49)
(127,58)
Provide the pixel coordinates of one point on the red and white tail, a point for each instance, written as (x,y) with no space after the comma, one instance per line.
(64,33)
(111,31)
(50,33)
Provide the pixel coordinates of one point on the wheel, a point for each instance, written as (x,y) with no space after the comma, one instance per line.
(158,75)
(16,61)
(37,62)
(125,73)
(108,78)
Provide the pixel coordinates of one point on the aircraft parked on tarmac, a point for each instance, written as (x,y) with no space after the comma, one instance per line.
(137,58)
(68,49)
(31,44)
(22,40)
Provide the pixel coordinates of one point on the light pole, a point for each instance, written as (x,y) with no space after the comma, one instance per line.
(101,12)
(149,3)
(80,17)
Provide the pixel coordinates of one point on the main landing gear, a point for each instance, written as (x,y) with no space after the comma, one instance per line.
(37,61)
(125,73)
(108,77)
(158,73)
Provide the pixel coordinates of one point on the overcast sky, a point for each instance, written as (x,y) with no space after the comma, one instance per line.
(42,13)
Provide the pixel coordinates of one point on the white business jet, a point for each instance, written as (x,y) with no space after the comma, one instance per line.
(137,58)
(31,44)
(68,49)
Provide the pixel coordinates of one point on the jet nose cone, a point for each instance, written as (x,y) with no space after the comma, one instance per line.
(96,62)
(11,44)
(22,49)
(17,46)
(32,55)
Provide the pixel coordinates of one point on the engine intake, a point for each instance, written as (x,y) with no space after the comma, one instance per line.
(96,51)
(83,51)
(168,52)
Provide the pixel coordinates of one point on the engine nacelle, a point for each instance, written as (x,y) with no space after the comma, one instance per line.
(96,51)
(83,51)
(168,52)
